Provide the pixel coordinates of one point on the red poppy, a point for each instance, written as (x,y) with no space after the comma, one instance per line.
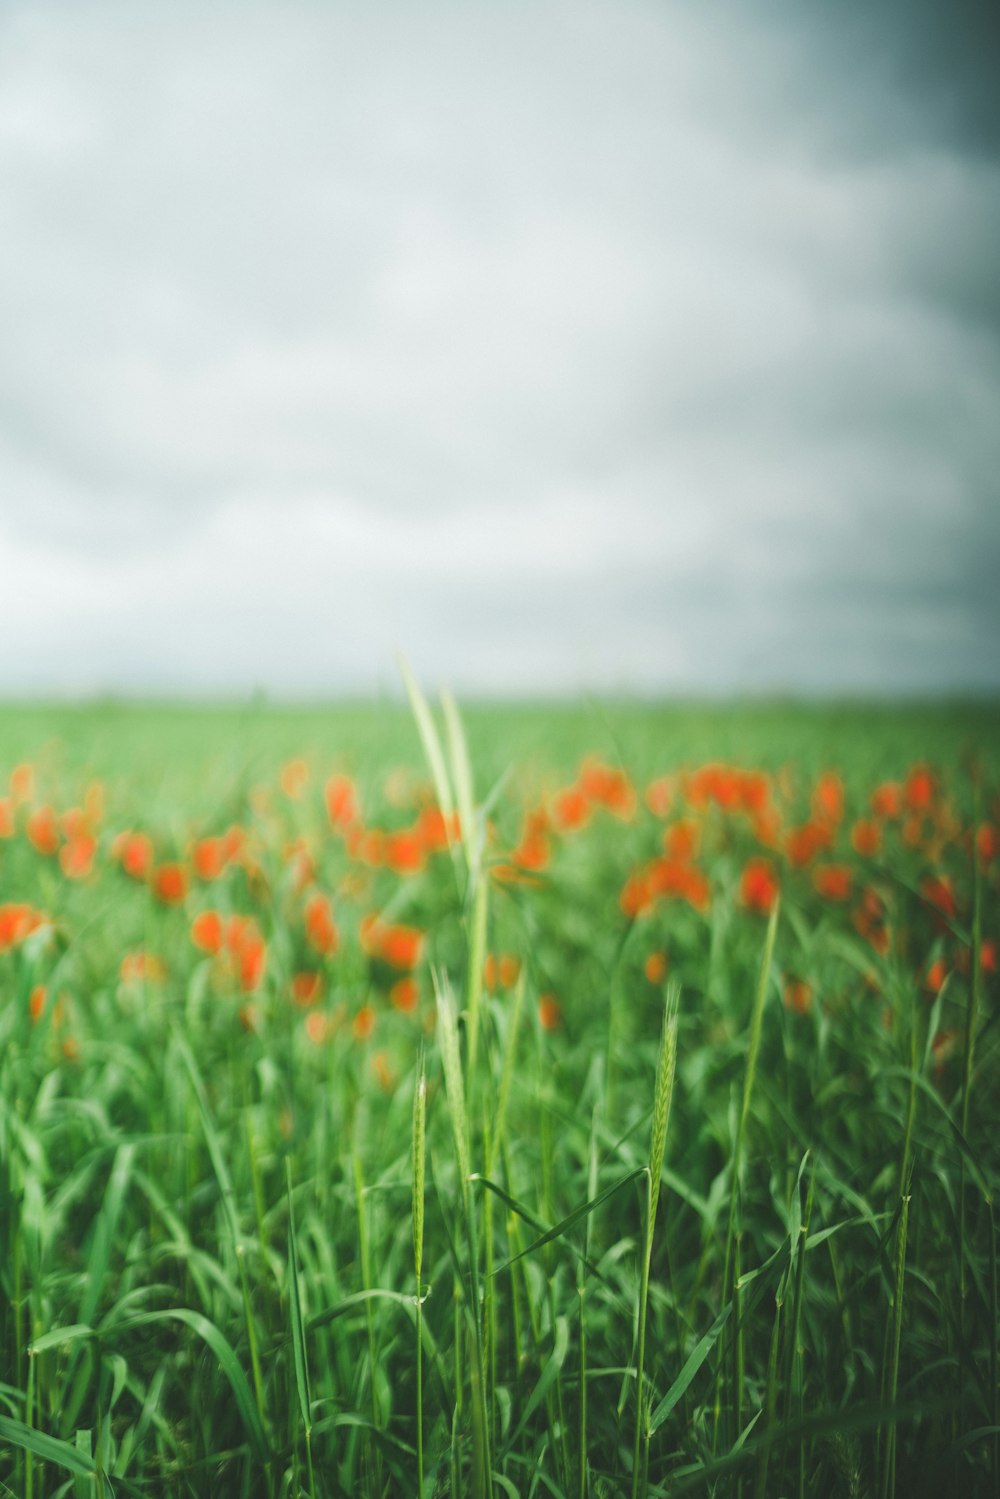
(134,852)
(866,838)
(207,931)
(170,884)
(341,801)
(42,829)
(321,929)
(306,988)
(833,881)
(758,886)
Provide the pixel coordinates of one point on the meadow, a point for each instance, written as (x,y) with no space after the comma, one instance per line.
(596,1099)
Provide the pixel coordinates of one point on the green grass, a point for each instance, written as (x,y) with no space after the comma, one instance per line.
(253,1246)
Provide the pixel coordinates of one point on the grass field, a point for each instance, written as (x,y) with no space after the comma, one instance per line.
(597,1099)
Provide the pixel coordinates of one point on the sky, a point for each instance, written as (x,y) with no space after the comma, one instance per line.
(609,346)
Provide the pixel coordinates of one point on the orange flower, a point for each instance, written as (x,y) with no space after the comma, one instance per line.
(306,988)
(6,817)
(341,801)
(405,995)
(209,858)
(987,841)
(76,858)
(797,996)
(866,838)
(134,851)
(937,891)
(251,961)
(805,842)
(609,787)
(317,1027)
(833,881)
(363,1024)
(22,783)
(36,1004)
(887,800)
(294,778)
(758,886)
(988,956)
(570,809)
(170,884)
(549,1012)
(509,971)
(405,852)
(682,839)
(383,1071)
(206,931)
(321,930)
(828,799)
(17,921)
(660,796)
(636,897)
(401,946)
(655,967)
(870,920)
(435,830)
(936,975)
(42,829)
(918,792)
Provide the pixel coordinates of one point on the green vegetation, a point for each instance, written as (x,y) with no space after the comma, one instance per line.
(538,1148)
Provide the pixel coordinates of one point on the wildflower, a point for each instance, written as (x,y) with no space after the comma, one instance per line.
(306,988)
(317,1027)
(833,881)
(918,790)
(207,931)
(341,801)
(987,841)
(803,843)
(209,858)
(866,838)
(828,799)
(76,858)
(682,839)
(659,796)
(363,1024)
(935,976)
(937,891)
(42,830)
(655,967)
(294,778)
(400,946)
(6,817)
(549,1012)
(797,996)
(404,852)
(758,886)
(886,801)
(570,809)
(22,783)
(321,929)
(134,851)
(170,884)
(405,995)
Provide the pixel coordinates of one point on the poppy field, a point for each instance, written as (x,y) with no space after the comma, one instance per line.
(585,1101)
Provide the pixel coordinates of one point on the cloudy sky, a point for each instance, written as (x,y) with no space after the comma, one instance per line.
(610,345)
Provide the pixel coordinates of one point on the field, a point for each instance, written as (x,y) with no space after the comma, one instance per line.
(586,1100)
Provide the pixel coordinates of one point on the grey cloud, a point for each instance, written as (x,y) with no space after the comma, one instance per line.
(722,318)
